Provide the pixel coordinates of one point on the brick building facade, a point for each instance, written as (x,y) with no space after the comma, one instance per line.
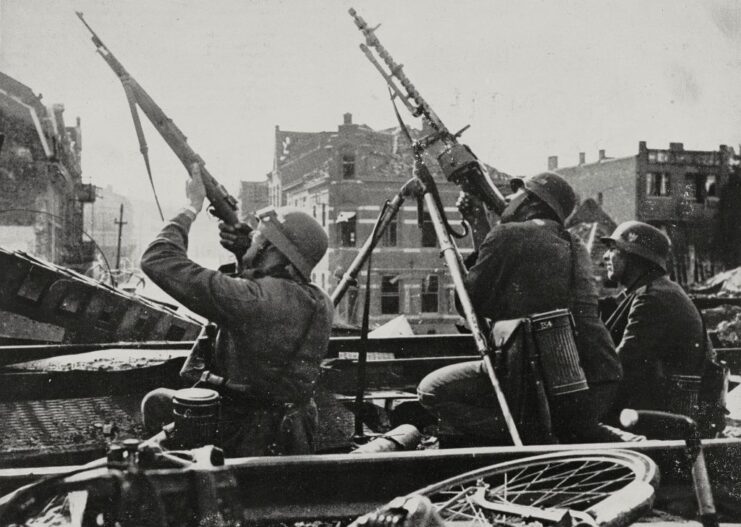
(689,194)
(343,178)
(41,191)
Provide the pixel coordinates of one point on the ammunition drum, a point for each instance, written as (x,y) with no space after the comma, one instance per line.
(195,412)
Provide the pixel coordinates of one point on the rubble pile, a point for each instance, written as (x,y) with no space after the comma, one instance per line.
(722,285)
(725,322)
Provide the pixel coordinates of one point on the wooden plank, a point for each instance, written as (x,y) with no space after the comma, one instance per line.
(14,326)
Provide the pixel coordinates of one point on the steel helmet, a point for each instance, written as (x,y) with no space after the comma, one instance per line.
(552,189)
(641,239)
(297,235)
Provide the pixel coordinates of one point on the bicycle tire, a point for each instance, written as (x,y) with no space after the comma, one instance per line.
(595,487)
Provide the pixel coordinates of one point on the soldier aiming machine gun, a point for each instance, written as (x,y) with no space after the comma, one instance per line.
(461,167)
(223,205)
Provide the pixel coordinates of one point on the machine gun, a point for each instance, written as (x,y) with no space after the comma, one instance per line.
(460,167)
(457,161)
(223,205)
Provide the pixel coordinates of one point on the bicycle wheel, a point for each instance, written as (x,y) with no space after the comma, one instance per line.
(604,488)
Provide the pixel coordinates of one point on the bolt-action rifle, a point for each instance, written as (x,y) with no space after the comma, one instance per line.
(457,161)
(223,205)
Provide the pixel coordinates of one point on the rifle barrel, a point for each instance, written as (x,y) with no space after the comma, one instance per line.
(223,205)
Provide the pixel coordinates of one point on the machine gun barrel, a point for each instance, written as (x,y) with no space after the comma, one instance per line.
(397,71)
(457,161)
(223,205)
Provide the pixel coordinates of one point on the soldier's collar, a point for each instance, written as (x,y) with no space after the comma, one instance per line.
(643,280)
(279,271)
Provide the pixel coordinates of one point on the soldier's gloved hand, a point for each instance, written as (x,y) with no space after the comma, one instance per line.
(470,207)
(235,238)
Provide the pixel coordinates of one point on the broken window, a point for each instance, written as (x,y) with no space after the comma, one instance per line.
(711,186)
(348,165)
(389,235)
(389,294)
(430,287)
(658,184)
(428,232)
(347,224)
(692,191)
(700,187)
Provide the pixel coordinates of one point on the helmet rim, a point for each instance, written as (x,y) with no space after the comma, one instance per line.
(658,254)
(273,225)
(538,185)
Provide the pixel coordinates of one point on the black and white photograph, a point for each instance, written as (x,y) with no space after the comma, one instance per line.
(370,263)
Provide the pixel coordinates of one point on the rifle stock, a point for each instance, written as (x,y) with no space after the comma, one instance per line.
(223,205)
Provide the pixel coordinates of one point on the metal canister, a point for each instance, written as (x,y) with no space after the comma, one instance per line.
(195,412)
(553,333)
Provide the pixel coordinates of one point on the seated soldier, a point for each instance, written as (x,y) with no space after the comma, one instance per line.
(660,332)
(530,264)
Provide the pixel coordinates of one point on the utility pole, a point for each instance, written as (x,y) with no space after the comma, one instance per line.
(120,224)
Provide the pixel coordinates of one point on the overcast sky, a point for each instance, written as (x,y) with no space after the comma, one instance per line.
(532,78)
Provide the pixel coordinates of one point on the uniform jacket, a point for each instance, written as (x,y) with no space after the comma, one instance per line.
(273,330)
(660,333)
(524,268)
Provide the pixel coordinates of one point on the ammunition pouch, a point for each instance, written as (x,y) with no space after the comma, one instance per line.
(536,361)
(515,364)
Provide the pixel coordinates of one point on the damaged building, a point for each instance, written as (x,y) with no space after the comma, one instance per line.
(692,195)
(253,196)
(41,190)
(342,178)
